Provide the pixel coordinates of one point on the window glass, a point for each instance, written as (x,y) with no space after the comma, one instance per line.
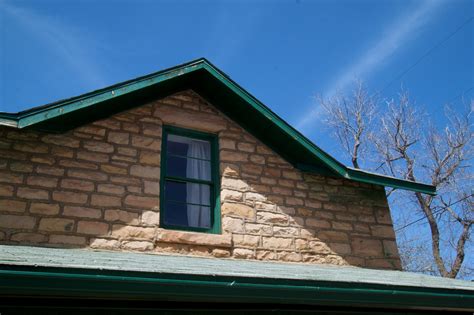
(188,158)
(187,183)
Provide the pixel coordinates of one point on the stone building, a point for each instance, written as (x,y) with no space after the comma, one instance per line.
(184,162)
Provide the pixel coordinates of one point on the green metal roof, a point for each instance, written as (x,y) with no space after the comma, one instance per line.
(101,274)
(215,86)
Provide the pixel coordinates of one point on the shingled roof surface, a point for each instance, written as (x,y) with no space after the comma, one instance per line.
(55,271)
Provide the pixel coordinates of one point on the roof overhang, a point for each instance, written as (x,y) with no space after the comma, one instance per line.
(222,92)
(85,274)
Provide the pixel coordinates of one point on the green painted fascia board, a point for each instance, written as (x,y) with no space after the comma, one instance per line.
(324,157)
(60,282)
(377,179)
(269,114)
(37,115)
(103,95)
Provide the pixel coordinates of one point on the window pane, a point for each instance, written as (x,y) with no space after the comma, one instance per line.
(185,215)
(176,214)
(188,168)
(189,147)
(188,192)
(199,216)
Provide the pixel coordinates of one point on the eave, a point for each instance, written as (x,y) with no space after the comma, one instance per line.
(220,90)
(85,274)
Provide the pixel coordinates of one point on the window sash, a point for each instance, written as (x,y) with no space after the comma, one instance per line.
(213,183)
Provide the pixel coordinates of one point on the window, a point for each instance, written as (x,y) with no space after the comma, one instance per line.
(189,181)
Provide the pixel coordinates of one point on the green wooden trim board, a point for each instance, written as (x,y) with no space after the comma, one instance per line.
(77,273)
(224,93)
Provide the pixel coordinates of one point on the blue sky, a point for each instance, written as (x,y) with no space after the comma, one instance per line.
(283,52)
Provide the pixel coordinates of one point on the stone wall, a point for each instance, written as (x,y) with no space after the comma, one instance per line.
(97,186)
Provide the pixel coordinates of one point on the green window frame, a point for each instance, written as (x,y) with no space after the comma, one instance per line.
(214,183)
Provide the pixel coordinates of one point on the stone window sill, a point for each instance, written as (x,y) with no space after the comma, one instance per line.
(194,238)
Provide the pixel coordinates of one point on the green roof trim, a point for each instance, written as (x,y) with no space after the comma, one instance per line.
(214,85)
(53,272)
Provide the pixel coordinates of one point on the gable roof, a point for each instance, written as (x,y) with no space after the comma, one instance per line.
(38,271)
(221,91)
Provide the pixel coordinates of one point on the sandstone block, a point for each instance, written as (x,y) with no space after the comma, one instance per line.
(151,218)
(105,201)
(289,256)
(246,147)
(98,146)
(341,248)
(233,225)
(190,119)
(238,209)
(333,236)
(28,237)
(137,245)
(77,184)
(118,137)
(367,247)
(150,158)
(255,196)
(220,253)
(149,143)
(31,147)
(44,208)
(61,140)
(32,193)
(93,156)
(390,248)
(12,205)
(225,143)
(149,172)
(233,156)
(142,202)
(231,195)
(152,187)
(82,212)
(67,239)
(293,201)
(346,226)
(102,243)
(260,229)
(121,216)
(56,225)
(234,184)
(243,240)
(382,216)
(277,242)
(17,221)
(285,231)
(7,177)
(92,228)
(217,240)
(70,163)
(243,253)
(132,232)
(42,181)
(385,231)
(318,223)
(111,189)
(91,175)
(6,190)
(270,217)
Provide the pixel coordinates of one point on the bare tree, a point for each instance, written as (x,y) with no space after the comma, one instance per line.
(408,147)
(350,118)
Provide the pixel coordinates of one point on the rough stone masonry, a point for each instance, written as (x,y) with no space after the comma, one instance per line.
(97,186)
